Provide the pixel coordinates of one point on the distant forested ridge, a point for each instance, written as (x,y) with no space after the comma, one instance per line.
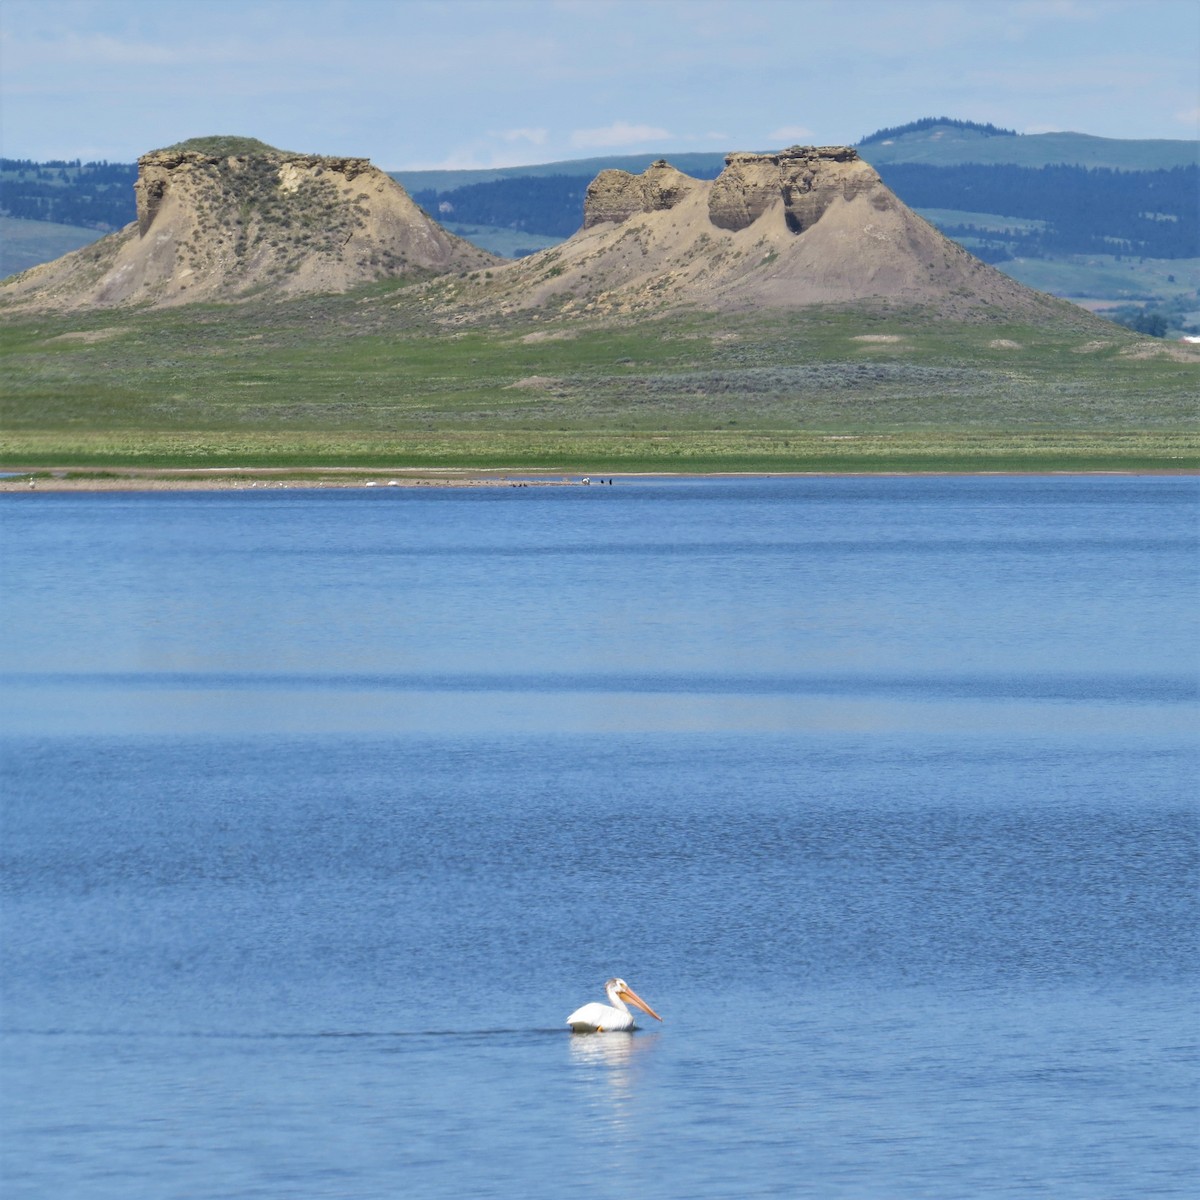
(551,204)
(987,130)
(1149,214)
(1055,210)
(1080,210)
(94,195)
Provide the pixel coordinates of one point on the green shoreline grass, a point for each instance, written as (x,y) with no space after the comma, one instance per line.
(626,454)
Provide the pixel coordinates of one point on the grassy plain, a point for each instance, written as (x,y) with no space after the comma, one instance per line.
(382,378)
(1107,278)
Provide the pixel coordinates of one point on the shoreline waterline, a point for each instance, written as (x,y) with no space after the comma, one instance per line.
(152,479)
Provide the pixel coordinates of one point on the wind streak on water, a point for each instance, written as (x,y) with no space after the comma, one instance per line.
(1127,688)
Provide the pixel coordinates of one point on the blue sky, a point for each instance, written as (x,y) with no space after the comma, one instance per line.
(475,83)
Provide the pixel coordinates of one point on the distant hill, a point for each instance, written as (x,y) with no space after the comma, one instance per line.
(937,124)
(1063,193)
(934,142)
(99,195)
(1055,210)
(941,142)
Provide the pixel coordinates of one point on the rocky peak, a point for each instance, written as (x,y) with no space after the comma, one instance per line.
(805,178)
(617,195)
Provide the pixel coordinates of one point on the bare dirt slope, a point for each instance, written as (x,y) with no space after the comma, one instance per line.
(809,225)
(227,226)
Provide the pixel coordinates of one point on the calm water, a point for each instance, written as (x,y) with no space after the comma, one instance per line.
(321,810)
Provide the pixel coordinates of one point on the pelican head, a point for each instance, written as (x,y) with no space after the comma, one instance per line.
(619,992)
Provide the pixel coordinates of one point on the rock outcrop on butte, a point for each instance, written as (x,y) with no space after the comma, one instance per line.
(617,195)
(808,225)
(807,179)
(229,218)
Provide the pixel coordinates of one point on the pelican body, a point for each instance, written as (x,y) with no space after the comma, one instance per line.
(613,1017)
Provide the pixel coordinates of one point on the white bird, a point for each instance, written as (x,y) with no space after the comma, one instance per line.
(613,1017)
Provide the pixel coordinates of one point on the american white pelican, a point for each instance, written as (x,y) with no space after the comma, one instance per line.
(612,1017)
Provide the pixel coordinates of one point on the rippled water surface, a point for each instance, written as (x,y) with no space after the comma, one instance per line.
(322,810)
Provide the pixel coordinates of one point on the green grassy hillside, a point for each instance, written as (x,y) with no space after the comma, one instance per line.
(1080,276)
(371,379)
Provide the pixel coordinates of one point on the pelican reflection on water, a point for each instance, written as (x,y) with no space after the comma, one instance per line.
(613,1017)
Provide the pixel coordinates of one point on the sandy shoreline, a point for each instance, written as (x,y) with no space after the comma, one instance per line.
(14,480)
(247,478)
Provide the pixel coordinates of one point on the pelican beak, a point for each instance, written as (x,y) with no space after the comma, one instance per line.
(631,997)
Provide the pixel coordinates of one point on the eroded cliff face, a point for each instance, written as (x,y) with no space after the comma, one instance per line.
(617,195)
(229,226)
(806,179)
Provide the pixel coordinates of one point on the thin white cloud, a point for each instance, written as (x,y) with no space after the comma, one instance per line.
(790,135)
(536,136)
(619,133)
(713,140)
(1189,116)
(490,154)
(93,50)
(1058,10)
(99,48)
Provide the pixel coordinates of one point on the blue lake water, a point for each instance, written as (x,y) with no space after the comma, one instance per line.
(321,810)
